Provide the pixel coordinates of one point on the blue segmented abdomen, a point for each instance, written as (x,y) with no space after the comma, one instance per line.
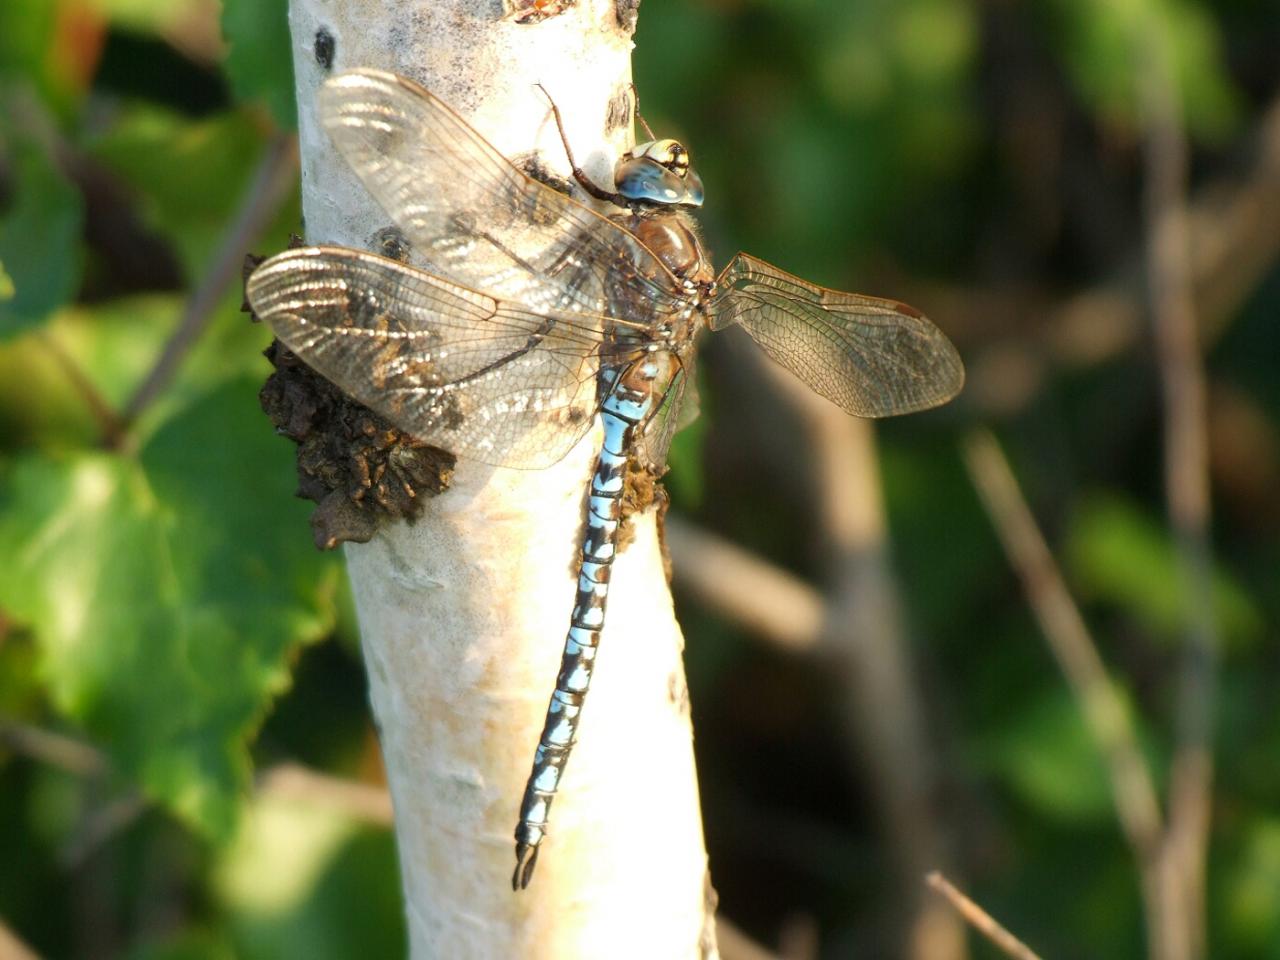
(626,406)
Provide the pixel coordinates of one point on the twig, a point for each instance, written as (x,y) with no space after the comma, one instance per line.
(980,920)
(736,945)
(1186,481)
(12,947)
(1105,716)
(110,425)
(866,637)
(1233,243)
(360,801)
(55,749)
(271,182)
(744,588)
(99,825)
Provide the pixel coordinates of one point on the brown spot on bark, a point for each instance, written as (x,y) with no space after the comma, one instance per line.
(618,114)
(626,12)
(641,488)
(532,165)
(535,11)
(391,243)
(323,49)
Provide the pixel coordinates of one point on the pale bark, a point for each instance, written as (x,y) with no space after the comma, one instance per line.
(463,613)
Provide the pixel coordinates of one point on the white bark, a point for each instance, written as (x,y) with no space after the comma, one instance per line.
(463,614)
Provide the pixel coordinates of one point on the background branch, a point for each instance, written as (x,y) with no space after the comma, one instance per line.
(980,920)
(267,191)
(1186,482)
(1106,717)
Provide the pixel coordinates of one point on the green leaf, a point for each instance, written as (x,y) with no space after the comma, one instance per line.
(186,944)
(168,593)
(260,59)
(1248,897)
(161,154)
(1098,40)
(302,882)
(1117,554)
(1048,758)
(39,239)
(148,16)
(28,59)
(6,284)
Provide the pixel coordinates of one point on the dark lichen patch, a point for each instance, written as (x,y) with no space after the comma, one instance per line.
(535,169)
(355,465)
(323,48)
(618,114)
(626,12)
(678,692)
(391,243)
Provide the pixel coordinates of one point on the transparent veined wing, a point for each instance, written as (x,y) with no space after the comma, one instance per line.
(873,357)
(476,216)
(477,376)
(677,394)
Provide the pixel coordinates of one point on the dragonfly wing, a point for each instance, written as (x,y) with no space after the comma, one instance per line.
(874,358)
(464,371)
(677,408)
(472,213)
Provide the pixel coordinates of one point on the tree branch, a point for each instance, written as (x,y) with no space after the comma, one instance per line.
(1105,715)
(865,637)
(1231,245)
(272,180)
(744,589)
(463,614)
(1186,482)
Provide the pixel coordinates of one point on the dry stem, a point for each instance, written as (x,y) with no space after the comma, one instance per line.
(980,920)
(1186,481)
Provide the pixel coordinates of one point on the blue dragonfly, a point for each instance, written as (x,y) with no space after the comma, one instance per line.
(546,316)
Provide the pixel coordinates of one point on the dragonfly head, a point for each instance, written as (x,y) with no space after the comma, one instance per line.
(658,173)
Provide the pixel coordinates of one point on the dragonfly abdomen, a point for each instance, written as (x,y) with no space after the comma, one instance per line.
(625,409)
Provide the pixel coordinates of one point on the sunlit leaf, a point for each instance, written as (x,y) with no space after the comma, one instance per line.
(148,16)
(303,882)
(32,58)
(1100,41)
(39,238)
(1048,758)
(1118,554)
(260,59)
(167,592)
(6,284)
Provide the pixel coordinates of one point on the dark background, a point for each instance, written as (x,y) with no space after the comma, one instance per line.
(167,629)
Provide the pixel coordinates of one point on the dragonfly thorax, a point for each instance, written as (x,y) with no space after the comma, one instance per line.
(658,173)
(672,238)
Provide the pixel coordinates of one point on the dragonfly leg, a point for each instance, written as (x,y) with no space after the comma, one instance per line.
(635,106)
(579,174)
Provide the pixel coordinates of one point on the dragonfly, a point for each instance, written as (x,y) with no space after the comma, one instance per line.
(545,316)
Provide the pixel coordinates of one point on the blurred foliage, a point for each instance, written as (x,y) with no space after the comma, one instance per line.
(161,600)
(39,239)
